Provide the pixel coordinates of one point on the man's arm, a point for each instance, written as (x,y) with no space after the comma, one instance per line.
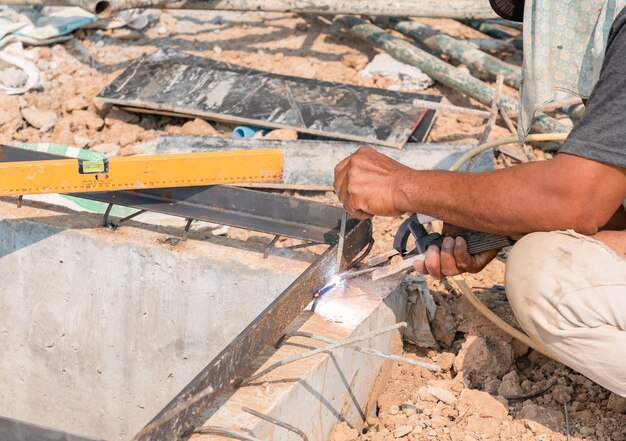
(567,192)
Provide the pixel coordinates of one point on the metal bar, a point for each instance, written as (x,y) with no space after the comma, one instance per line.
(237,207)
(248,345)
(479,9)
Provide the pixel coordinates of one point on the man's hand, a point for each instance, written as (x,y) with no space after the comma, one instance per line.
(367,183)
(453,257)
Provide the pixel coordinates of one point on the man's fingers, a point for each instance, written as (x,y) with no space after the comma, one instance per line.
(464,261)
(420,266)
(448,262)
(341,176)
(432,261)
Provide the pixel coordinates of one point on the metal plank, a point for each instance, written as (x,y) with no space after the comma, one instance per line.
(183,411)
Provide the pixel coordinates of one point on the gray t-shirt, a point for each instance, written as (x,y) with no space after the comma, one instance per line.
(601,134)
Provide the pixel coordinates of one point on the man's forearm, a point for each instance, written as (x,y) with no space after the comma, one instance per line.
(538,196)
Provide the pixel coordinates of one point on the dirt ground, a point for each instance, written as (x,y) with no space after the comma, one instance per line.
(481,365)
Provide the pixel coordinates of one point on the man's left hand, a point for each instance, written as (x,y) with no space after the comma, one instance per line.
(367,183)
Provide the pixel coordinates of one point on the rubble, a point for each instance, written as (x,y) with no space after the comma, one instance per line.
(43,120)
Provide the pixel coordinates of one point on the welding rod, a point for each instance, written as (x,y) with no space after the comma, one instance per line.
(342,235)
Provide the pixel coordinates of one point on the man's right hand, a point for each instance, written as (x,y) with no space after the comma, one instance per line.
(453,258)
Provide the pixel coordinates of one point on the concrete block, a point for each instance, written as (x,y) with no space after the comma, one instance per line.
(100,329)
(316,393)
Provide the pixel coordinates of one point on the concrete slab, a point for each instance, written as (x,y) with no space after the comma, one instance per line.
(100,329)
(316,393)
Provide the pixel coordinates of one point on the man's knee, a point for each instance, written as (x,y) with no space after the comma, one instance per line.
(532,276)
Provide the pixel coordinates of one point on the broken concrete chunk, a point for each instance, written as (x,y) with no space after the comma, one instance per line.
(492,386)
(421,309)
(406,77)
(43,120)
(343,432)
(562,394)
(481,403)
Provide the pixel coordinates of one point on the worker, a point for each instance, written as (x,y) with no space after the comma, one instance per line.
(566,277)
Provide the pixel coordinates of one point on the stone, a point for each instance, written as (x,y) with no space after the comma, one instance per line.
(409,409)
(402,431)
(10,119)
(43,120)
(81,141)
(443,325)
(481,358)
(541,419)
(510,386)
(446,361)
(88,119)
(616,403)
(343,432)
(587,431)
(197,127)
(441,394)
(108,149)
(76,103)
(562,394)
(492,386)
(393,410)
(282,135)
(424,395)
(483,404)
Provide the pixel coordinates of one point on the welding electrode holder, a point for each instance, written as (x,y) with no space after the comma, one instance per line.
(477,242)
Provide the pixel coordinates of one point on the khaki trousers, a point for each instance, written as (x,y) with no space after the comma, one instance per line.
(568,292)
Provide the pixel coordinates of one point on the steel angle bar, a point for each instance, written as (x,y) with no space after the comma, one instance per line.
(184,410)
(237,207)
(15,430)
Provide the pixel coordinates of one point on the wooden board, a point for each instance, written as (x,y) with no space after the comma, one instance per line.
(181,84)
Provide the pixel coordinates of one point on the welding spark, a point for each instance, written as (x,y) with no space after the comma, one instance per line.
(334,282)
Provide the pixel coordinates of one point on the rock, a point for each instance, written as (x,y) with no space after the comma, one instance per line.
(443,325)
(282,134)
(483,404)
(446,361)
(541,419)
(10,118)
(393,410)
(109,149)
(43,120)
(402,431)
(481,358)
(510,386)
(587,431)
(403,75)
(81,141)
(197,127)
(616,403)
(343,432)
(117,115)
(88,119)
(492,385)
(76,103)
(562,394)
(409,409)
(355,61)
(441,394)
